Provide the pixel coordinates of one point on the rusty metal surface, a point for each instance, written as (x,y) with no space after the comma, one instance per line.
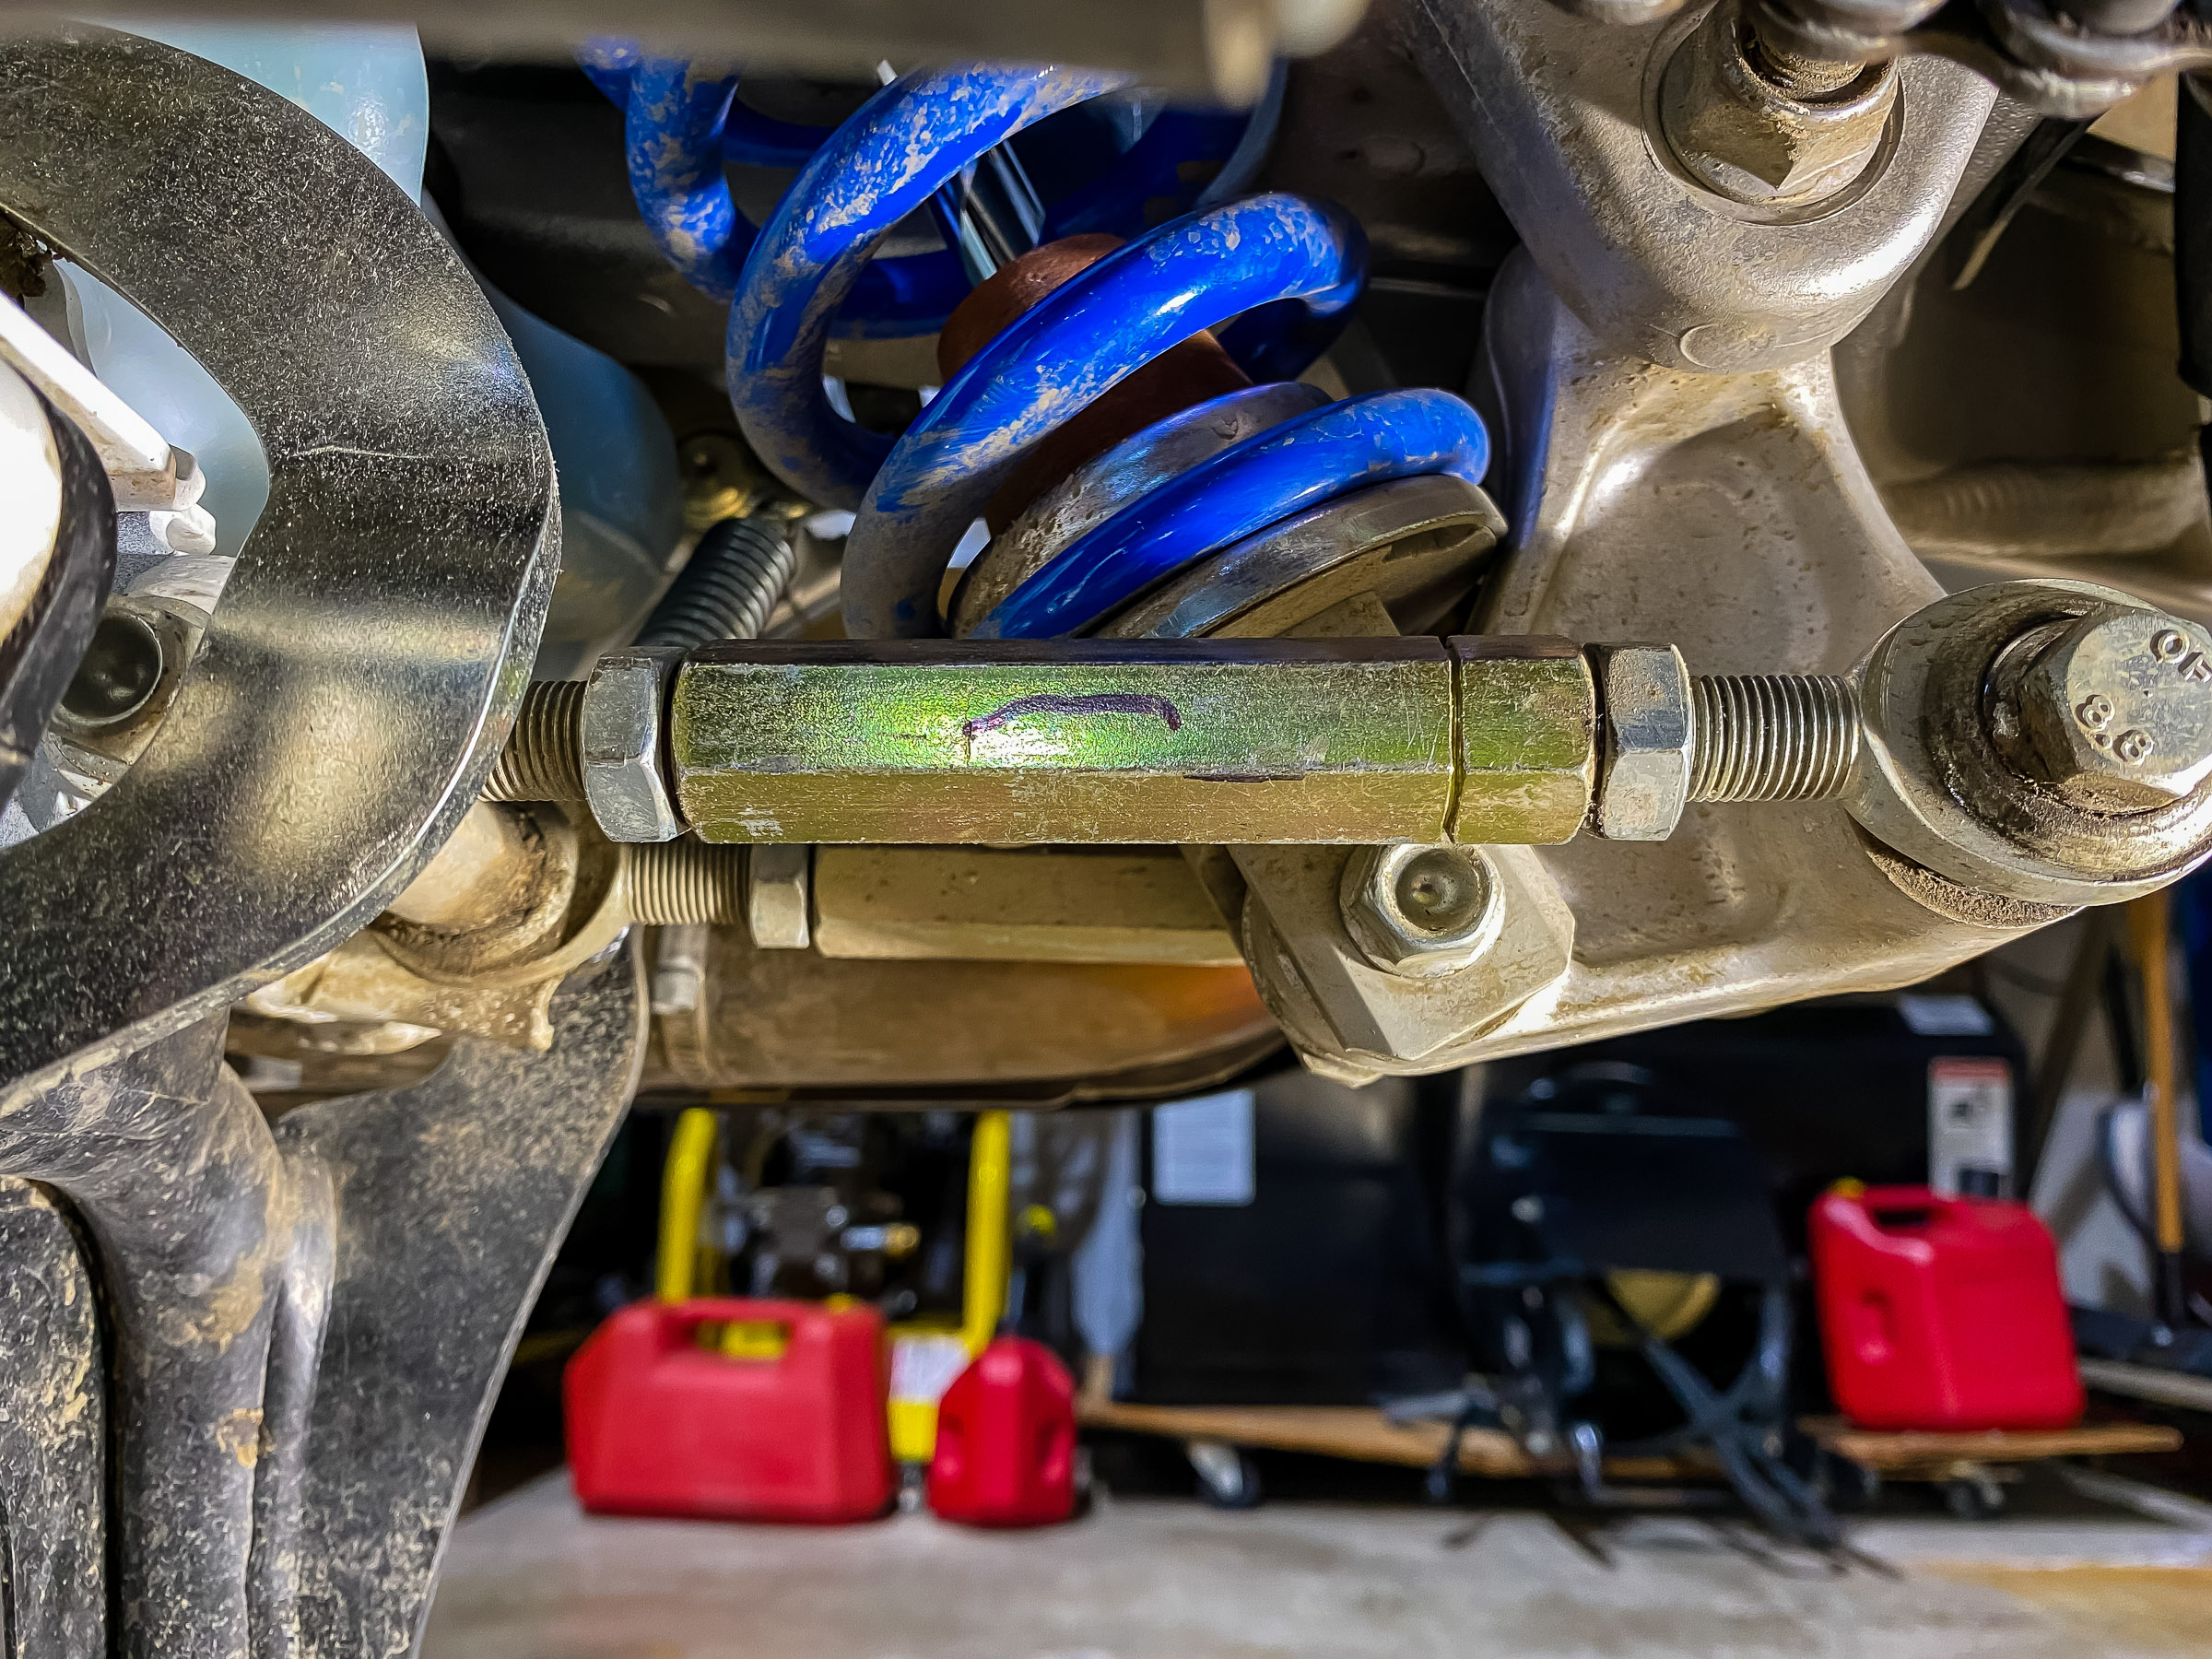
(53,1424)
(451,1197)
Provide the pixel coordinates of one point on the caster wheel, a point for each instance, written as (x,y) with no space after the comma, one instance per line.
(1228,1478)
(1974,1499)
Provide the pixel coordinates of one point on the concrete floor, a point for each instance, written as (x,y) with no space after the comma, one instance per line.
(530,1577)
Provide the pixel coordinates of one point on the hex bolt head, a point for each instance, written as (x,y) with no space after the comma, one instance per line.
(624,718)
(2116,708)
(1421,912)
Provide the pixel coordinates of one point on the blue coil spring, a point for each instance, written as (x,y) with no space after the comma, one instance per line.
(1274,274)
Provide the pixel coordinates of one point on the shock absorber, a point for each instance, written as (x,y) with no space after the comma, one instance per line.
(1282,271)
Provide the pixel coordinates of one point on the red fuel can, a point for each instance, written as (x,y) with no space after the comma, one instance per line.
(1942,1313)
(780,1419)
(1005,1451)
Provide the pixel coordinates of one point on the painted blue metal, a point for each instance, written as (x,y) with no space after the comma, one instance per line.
(1306,461)
(673,129)
(749,138)
(882,164)
(1295,264)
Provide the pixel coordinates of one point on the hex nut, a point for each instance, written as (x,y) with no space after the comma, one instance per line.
(1643,697)
(1744,138)
(625,717)
(778,895)
(1421,912)
(2117,708)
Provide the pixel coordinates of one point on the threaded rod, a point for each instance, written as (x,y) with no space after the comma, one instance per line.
(669,884)
(735,575)
(544,757)
(1771,737)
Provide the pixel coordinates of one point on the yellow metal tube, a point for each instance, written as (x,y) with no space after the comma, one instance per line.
(984,1278)
(683,1200)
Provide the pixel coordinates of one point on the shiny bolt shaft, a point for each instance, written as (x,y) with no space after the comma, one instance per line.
(1771,737)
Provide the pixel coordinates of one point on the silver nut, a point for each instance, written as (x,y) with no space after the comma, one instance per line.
(1747,139)
(778,895)
(2118,708)
(625,715)
(1421,912)
(1643,695)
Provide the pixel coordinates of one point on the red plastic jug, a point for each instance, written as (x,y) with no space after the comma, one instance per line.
(1941,1313)
(782,1421)
(1005,1451)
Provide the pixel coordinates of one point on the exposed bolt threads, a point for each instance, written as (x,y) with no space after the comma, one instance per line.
(737,572)
(544,757)
(1796,74)
(670,884)
(1771,737)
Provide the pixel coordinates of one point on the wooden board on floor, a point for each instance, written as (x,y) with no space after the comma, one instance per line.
(1357,1432)
(1901,1451)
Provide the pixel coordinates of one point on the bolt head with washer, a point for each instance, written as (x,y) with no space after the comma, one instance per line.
(2117,707)
(1421,911)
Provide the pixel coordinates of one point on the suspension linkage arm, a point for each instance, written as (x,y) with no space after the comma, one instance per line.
(1521,740)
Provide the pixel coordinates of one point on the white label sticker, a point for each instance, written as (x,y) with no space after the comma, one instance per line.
(1969,1127)
(1202,1149)
(1944,1016)
(923,1366)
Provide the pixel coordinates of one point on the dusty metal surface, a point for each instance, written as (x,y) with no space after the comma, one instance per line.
(349,699)
(451,1197)
(995,904)
(1557,108)
(1643,498)
(53,1432)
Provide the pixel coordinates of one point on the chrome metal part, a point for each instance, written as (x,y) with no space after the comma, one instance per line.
(622,726)
(1644,780)
(778,897)
(1559,110)
(1100,488)
(1948,780)
(360,674)
(1421,912)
